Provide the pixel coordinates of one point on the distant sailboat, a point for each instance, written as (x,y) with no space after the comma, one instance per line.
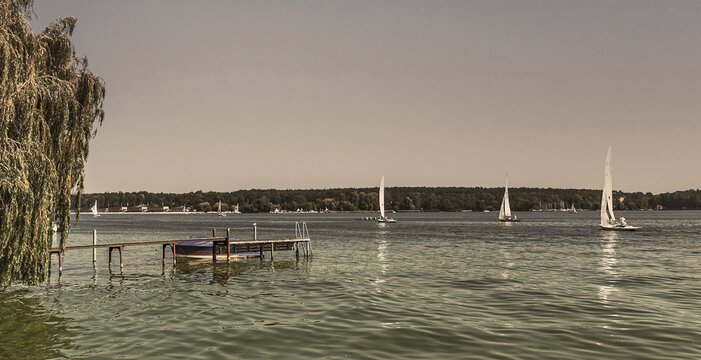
(383,218)
(505,209)
(608,220)
(572,209)
(236,209)
(94,210)
(219,210)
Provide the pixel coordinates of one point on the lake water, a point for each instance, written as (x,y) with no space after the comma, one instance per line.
(431,286)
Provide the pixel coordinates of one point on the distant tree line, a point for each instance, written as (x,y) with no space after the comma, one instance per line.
(396,198)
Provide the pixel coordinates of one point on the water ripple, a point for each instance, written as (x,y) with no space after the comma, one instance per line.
(430,286)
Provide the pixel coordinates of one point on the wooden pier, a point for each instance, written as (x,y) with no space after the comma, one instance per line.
(301,244)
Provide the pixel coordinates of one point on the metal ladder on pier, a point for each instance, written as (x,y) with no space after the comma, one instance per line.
(302,233)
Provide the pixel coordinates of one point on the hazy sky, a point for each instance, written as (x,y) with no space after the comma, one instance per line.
(226,95)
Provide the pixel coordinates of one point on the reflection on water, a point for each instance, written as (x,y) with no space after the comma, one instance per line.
(508,263)
(381,241)
(608,264)
(222,272)
(30,331)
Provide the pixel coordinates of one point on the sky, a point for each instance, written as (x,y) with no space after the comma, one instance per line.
(228,95)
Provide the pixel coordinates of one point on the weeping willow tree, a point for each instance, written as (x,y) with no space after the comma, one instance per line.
(50,108)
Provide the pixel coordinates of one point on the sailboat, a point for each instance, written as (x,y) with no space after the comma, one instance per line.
(572,209)
(94,210)
(382,217)
(608,220)
(219,210)
(236,209)
(505,209)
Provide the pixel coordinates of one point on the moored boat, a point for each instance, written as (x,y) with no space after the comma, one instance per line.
(203,250)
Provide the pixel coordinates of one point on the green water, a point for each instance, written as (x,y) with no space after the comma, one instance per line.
(430,286)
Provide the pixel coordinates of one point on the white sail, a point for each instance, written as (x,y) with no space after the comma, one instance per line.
(94,209)
(507,205)
(505,209)
(219,210)
(607,216)
(501,211)
(573,209)
(382,197)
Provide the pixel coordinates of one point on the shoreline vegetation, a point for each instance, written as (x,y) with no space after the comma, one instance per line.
(400,199)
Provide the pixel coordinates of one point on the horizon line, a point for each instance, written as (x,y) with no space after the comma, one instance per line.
(386,187)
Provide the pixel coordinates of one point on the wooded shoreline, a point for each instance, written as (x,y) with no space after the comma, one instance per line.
(427,199)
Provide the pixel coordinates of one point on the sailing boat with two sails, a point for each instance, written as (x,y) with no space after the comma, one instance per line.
(505,209)
(382,217)
(608,220)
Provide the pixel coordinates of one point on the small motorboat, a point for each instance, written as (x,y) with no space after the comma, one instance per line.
(203,249)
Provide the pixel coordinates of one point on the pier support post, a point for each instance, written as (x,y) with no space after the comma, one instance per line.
(94,250)
(297,250)
(228,244)
(172,249)
(121,257)
(214,245)
(272,250)
(59,254)
(255,232)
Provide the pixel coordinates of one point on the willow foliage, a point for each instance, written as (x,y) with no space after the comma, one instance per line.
(50,108)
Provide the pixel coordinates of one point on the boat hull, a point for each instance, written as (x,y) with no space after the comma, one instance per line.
(619,228)
(205,256)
